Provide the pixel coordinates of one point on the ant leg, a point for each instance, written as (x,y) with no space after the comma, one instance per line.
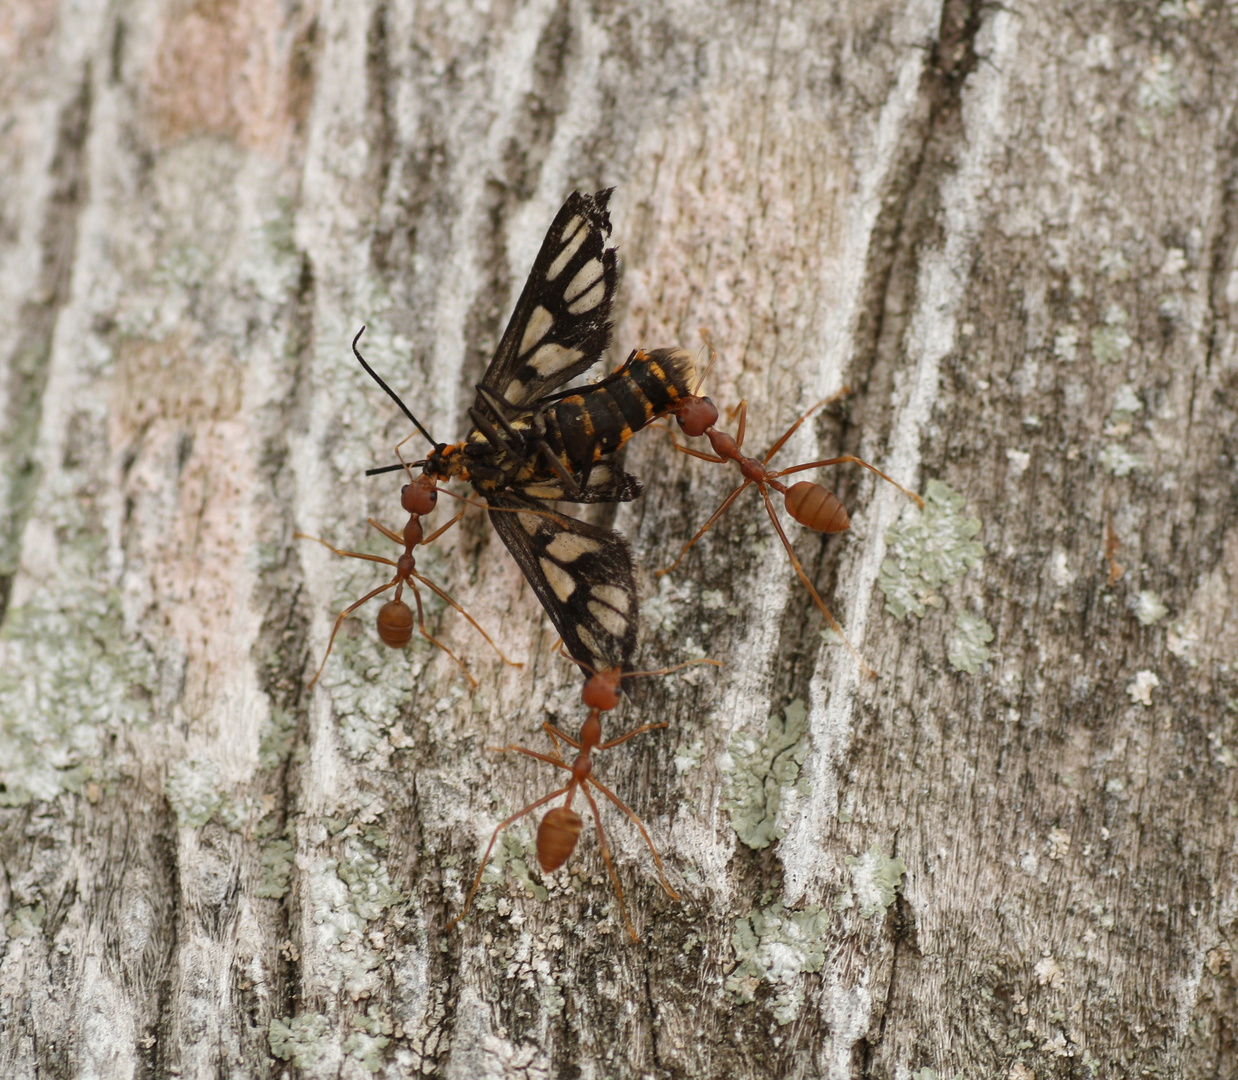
(769,506)
(555,734)
(610,866)
(637,731)
(401,456)
(640,825)
(346,554)
(421,627)
(795,427)
(557,762)
(490,847)
(342,616)
(699,453)
(390,534)
(852,460)
(743,423)
(704,528)
(439,532)
(669,670)
(475,624)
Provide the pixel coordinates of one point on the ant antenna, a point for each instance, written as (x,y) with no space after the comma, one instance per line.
(394,397)
(713,359)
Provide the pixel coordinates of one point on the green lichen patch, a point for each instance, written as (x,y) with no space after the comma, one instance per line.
(192,788)
(370,891)
(874,883)
(276,860)
(928,549)
(1148,608)
(69,675)
(1111,340)
(276,738)
(25,921)
(968,648)
(688,758)
(777,947)
(511,860)
(344,894)
(763,772)
(303,1040)
(1119,461)
(372,1035)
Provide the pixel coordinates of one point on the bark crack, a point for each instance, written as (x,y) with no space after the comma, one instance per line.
(30,361)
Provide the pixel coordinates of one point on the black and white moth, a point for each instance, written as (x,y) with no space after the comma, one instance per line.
(531,447)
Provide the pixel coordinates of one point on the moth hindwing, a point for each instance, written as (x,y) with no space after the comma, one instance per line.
(581,573)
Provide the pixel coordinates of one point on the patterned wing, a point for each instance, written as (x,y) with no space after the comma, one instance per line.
(581,573)
(561,324)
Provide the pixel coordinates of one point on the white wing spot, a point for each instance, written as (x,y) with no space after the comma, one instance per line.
(548,492)
(560,580)
(566,255)
(571,227)
(589,301)
(612,595)
(530,523)
(539,323)
(612,622)
(585,277)
(568,547)
(590,643)
(551,358)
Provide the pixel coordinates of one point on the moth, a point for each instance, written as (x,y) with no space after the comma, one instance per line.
(533,445)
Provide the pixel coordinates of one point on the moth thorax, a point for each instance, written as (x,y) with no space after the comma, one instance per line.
(695,415)
(420,496)
(817,507)
(395,623)
(556,837)
(602,690)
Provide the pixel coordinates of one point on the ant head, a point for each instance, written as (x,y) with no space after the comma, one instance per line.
(420,496)
(601,690)
(395,623)
(695,415)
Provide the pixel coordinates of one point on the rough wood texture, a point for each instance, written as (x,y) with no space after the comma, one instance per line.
(1011,229)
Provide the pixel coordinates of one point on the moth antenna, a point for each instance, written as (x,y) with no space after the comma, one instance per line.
(391,394)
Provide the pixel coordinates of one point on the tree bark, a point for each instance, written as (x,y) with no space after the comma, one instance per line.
(1010,230)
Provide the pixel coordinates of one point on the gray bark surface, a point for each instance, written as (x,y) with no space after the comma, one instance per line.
(1011,230)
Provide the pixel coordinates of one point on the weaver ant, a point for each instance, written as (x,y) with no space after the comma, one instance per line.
(395,618)
(809,503)
(560,827)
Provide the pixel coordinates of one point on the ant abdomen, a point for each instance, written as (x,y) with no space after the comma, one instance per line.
(556,837)
(817,508)
(395,623)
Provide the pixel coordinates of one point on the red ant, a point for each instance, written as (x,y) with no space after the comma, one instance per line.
(809,503)
(395,618)
(560,827)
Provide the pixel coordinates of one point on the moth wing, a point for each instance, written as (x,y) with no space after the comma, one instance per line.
(581,573)
(561,323)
